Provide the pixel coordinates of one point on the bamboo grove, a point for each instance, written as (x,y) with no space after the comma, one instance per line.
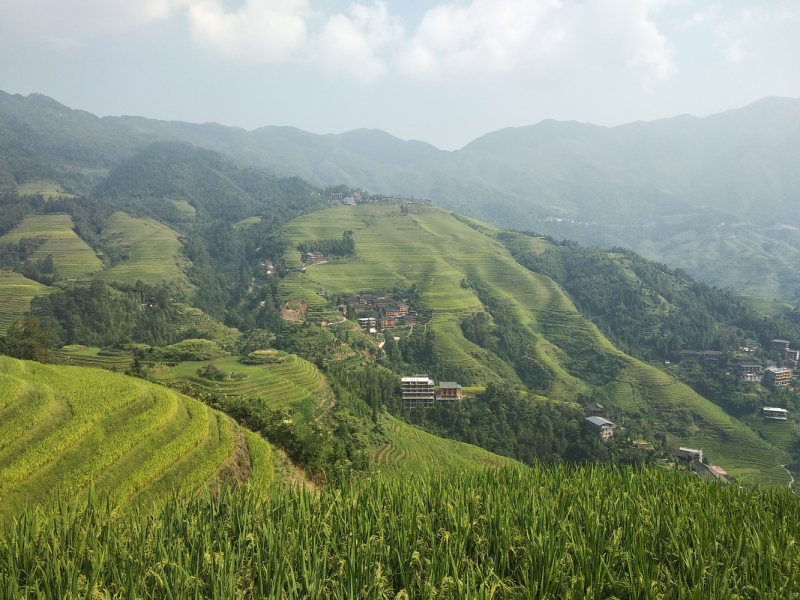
(541,532)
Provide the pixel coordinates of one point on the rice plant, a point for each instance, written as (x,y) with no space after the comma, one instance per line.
(541,532)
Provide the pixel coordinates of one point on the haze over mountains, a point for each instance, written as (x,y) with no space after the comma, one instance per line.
(719,196)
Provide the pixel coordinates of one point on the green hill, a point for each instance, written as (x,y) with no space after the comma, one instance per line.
(284,381)
(408,449)
(16,293)
(72,257)
(64,429)
(674,189)
(436,251)
(152,250)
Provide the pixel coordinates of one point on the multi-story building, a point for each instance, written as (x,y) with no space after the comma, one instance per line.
(418,391)
(593,409)
(777,377)
(781,346)
(449,391)
(749,370)
(367,323)
(688,454)
(775,414)
(602,427)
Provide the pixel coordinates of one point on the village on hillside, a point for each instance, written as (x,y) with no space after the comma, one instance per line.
(749,368)
(339,199)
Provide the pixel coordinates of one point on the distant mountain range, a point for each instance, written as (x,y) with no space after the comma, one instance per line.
(719,196)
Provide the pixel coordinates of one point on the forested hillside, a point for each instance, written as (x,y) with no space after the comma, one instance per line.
(181,266)
(684,191)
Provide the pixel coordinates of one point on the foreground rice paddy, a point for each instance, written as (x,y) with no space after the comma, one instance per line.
(544,532)
(65,429)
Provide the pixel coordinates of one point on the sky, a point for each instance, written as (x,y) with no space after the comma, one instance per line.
(444,72)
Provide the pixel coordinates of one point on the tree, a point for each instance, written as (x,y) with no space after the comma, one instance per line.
(28,340)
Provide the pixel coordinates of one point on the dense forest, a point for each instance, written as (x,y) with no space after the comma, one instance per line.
(344,247)
(650,310)
(506,422)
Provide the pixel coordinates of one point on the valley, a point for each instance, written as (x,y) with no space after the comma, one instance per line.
(203,366)
(435,250)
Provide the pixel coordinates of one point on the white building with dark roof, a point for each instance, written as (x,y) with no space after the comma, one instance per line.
(602,427)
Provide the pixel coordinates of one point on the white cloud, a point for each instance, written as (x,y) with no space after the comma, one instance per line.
(359,43)
(493,35)
(735,53)
(259,30)
(456,39)
(539,35)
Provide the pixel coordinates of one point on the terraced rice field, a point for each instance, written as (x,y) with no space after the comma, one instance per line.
(63,429)
(409,449)
(153,247)
(436,251)
(186,210)
(294,382)
(88,357)
(247,222)
(73,258)
(45,188)
(16,293)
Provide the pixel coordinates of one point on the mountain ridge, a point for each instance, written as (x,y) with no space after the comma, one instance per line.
(615,186)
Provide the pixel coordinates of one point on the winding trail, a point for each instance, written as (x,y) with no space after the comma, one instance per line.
(791,483)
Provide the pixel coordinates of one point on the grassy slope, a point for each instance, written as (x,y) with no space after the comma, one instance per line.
(435,250)
(411,449)
(294,382)
(154,251)
(72,257)
(16,293)
(186,210)
(64,428)
(45,188)
(88,357)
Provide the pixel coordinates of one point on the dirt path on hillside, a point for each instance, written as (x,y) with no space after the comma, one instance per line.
(791,483)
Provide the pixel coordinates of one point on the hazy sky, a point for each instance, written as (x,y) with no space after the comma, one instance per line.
(440,71)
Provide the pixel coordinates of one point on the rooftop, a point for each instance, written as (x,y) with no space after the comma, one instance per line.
(449,385)
(417,379)
(599,421)
(776,410)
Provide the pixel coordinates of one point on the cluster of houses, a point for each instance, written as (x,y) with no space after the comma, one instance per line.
(748,368)
(389,313)
(420,391)
(315,258)
(351,200)
(356,198)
